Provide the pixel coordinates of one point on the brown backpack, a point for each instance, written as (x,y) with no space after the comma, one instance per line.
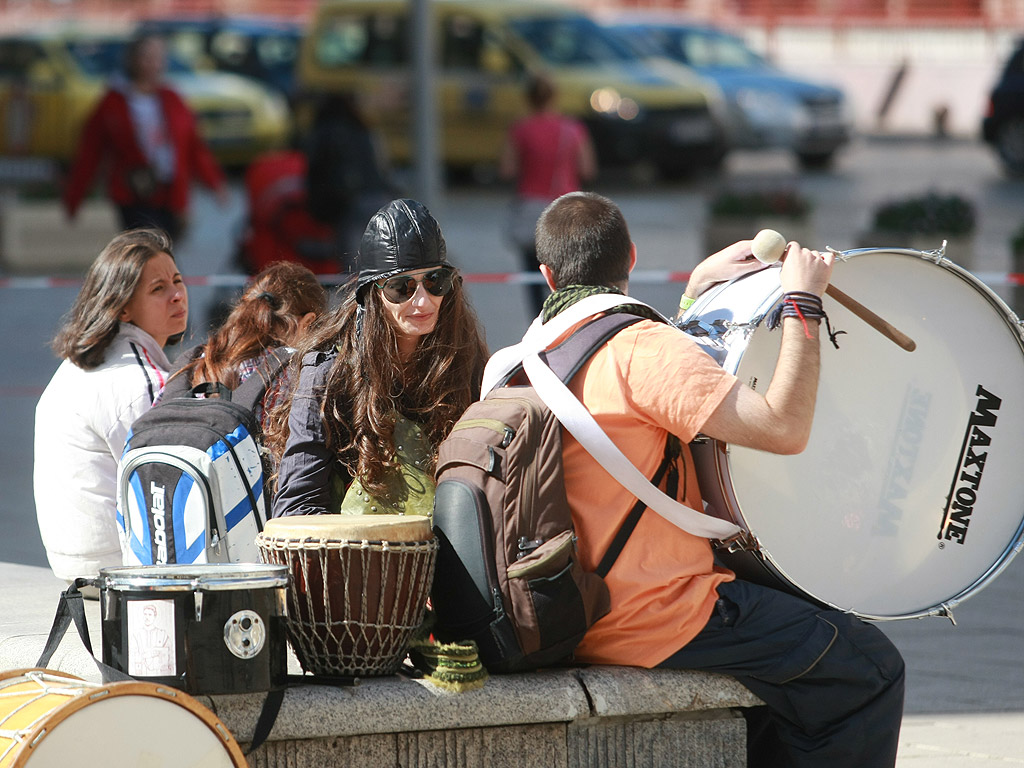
(507,574)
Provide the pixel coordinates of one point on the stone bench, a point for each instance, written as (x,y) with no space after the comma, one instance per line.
(588,717)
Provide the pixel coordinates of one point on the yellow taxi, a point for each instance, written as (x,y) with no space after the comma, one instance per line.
(49,83)
(636,110)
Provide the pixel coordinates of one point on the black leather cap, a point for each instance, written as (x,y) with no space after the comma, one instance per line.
(400,237)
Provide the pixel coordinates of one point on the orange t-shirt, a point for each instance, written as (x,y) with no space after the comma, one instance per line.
(650,379)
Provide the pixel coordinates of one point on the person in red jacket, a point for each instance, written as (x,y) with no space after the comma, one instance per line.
(146,136)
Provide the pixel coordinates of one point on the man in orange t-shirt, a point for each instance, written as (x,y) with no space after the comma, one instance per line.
(833,683)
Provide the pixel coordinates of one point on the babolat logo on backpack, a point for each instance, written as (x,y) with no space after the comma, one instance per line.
(191,479)
(507,574)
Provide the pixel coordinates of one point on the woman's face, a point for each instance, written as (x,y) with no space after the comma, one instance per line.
(159,305)
(416,316)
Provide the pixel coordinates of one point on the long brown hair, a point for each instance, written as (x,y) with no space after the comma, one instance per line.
(266,316)
(368,382)
(93,320)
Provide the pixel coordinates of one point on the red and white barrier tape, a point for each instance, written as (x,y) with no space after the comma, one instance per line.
(233,281)
(639,277)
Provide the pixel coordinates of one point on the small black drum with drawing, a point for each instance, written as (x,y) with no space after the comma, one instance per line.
(216,628)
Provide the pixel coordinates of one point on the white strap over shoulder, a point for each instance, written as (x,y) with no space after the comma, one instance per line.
(575,417)
(542,335)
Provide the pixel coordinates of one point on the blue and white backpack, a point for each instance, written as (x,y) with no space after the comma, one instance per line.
(191,480)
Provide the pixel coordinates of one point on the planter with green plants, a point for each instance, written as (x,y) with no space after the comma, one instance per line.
(37,237)
(1017,251)
(740,214)
(922,223)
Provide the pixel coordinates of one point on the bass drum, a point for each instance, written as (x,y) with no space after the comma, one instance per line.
(51,720)
(909,497)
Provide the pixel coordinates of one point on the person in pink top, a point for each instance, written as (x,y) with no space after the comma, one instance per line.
(548,155)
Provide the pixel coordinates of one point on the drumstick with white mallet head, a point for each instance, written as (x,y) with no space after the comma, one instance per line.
(768,247)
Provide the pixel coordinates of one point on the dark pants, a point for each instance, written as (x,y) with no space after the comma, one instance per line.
(535,292)
(140,215)
(833,683)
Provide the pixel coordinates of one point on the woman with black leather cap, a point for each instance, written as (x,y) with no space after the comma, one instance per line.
(382,380)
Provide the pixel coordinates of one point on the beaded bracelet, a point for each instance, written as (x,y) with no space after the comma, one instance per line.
(803,306)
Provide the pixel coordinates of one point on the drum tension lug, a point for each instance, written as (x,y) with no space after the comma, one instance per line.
(946,612)
(743,541)
(702,328)
(937,255)
(199,605)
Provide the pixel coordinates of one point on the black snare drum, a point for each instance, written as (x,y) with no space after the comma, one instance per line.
(205,629)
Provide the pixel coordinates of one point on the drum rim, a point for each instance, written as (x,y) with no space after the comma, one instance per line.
(314,542)
(937,257)
(943,608)
(331,522)
(201,576)
(721,464)
(41,728)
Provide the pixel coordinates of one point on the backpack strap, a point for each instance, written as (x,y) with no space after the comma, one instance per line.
(572,354)
(575,417)
(210,389)
(673,450)
(540,335)
(251,391)
(178,385)
(567,358)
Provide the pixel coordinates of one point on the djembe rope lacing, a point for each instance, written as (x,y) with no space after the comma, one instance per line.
(354,633)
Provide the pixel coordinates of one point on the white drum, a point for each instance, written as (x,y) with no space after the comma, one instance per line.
(51,720)
(909,497)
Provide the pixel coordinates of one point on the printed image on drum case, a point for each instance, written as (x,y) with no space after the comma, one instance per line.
(151,636)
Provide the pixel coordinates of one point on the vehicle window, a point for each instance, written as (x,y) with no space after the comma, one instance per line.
(347,40)
(467,44)
(643,42)
(462,42)
(98,58)
(572,40)
(103,58)
(276,50)
(711,50)
(17,58)
(186,45)
(230,47)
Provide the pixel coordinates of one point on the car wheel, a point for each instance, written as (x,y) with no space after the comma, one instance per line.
(681,169)
(1010,145)
(815,160)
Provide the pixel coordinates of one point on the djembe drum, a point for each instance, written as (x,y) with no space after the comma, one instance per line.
(359,587)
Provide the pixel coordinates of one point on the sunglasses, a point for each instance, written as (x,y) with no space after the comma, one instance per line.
(400,289)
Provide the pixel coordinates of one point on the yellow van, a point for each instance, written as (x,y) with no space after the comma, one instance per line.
(635,110)
(50,82)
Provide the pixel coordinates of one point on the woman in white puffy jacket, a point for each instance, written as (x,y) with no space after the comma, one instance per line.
(133,303)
